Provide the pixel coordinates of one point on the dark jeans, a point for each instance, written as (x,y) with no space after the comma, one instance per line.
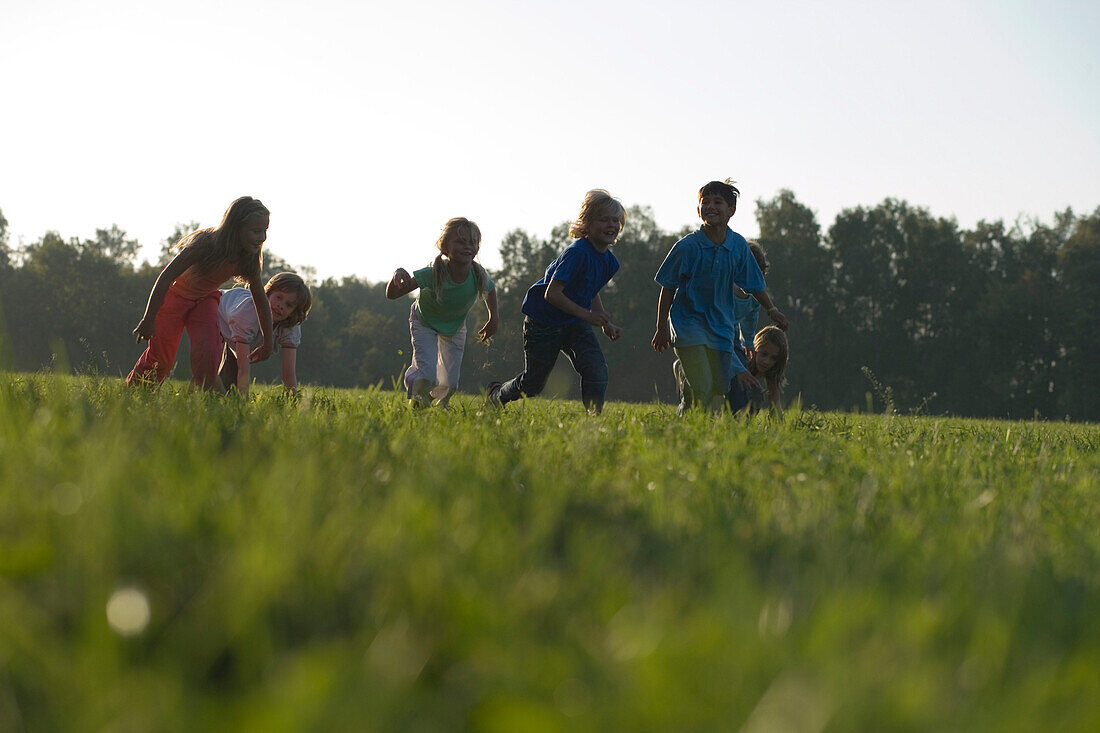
(737,397)
(541,345)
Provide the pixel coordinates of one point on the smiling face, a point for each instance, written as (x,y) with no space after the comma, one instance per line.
(714,210)
(282,303)
(253,233)
(603,229)
(460,247)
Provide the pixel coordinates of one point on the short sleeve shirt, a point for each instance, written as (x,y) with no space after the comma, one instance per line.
(746,314)
(445,312)
(583,269)
(703,275)
(239,322)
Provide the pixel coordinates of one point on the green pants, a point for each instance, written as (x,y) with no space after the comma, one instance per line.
(705,373)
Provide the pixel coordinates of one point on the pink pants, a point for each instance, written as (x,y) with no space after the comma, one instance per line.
(200,318)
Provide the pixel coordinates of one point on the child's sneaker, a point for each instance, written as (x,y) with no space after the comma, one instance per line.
(492,395)
(681,388)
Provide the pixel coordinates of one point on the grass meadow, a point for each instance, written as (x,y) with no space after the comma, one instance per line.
(172,561)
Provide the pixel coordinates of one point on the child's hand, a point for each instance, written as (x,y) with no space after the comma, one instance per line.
(485,335)
(779,319)
(662,339)
(598,318)
(612,331)
(747,380)
(402,283)
(143,331)
(261,352)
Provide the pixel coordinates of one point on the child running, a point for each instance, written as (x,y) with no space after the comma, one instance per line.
(746,314)
(185,295)
(767,361)
(239,324)
(449,287)
(695,310)
(561,308)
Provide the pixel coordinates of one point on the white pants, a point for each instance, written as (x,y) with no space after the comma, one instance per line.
(436,357)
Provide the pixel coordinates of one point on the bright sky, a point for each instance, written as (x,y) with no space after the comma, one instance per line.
(365,125)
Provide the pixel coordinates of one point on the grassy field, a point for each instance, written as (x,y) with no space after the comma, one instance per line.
(175,561)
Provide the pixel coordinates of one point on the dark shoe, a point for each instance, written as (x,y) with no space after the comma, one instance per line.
(492,395)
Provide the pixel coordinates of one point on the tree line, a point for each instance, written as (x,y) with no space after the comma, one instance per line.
(891,309)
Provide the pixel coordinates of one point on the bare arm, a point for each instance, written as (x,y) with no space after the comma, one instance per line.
(765,300)
(609,329)
(171,271)
(558,299)
(490,328)
(263,310)
(240,348)
(290,377)
(662,338)
(402,283)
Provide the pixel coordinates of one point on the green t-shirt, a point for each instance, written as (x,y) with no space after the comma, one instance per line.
(447,314)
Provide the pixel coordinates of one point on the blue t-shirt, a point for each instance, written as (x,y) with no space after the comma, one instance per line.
(583,269)
(746,314)
(703,275)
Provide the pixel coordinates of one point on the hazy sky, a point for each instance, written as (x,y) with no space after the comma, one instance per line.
(364,126)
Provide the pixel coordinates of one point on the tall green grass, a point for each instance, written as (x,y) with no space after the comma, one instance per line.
(337,562)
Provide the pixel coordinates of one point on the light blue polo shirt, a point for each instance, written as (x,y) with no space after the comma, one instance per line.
(703,275)
(746,314)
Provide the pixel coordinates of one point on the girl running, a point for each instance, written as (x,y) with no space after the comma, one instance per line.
(449,287)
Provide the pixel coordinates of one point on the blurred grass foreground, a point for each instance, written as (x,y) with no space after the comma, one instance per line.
(177,561)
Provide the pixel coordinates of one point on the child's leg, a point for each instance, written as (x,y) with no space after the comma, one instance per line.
(420,376)
(721,369)
(684,396)
(541,345)
(228,371)
(587,358)
(206,341)
(699,384)
(451,349)
(160,355)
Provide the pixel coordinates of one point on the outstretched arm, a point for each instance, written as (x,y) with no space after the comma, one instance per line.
(175,268)
(558,299)
(490,328)
(402,283)
(765,300)
(240,349)
(662,338)
(263,310)
(776,400)
(290,377)
(609,329)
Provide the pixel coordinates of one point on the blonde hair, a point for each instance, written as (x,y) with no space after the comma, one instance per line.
(288,282)
(774,378)
(439,264)
(596,202)
(220,242)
